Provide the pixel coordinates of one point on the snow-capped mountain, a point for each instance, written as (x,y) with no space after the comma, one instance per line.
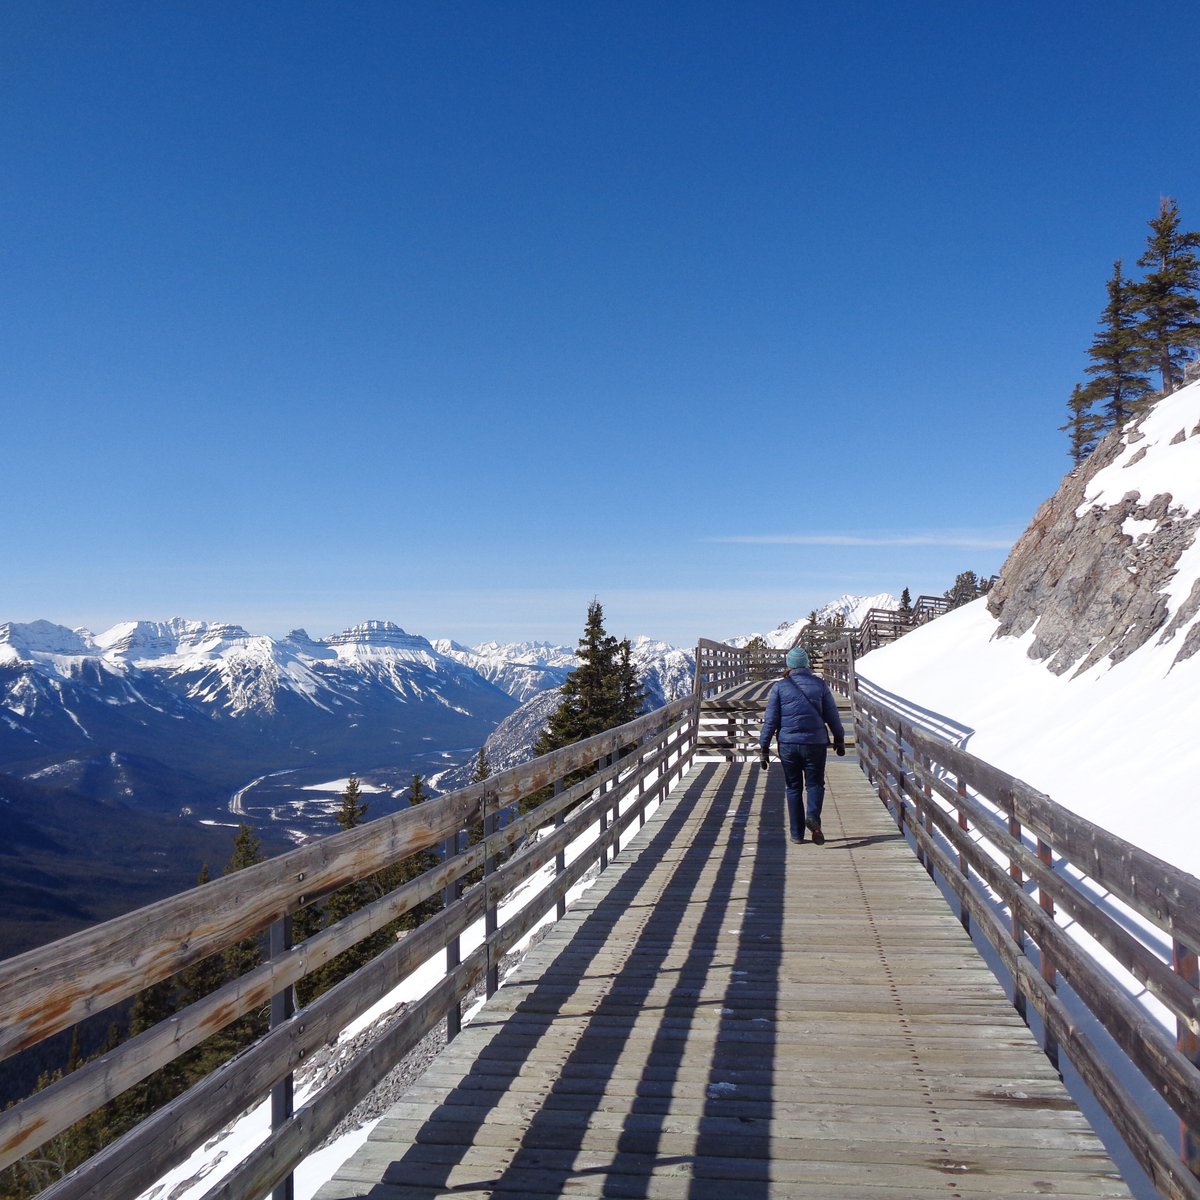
(665,671)
(522,669)
(852,610)
(195,712)
(229,672)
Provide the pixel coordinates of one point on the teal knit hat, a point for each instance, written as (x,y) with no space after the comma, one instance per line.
(797,659)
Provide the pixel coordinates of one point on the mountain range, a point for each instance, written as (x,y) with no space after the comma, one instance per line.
(187,728)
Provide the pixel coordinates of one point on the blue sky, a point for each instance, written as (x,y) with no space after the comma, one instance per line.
(461,314)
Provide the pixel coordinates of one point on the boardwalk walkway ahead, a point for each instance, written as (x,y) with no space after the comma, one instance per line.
(728,1015)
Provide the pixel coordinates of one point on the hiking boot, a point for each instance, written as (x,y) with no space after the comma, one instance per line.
(817,836)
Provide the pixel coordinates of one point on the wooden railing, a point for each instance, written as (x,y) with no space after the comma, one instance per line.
(720,667)
(49,989)
(995,841)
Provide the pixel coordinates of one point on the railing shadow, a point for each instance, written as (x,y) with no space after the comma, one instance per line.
(715,881)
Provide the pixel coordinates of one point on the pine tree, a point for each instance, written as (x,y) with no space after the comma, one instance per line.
(194,983)
(1166,298)
(630,693)
(198,980)
(597,695)
(236,961)
(475,831)
(152,1006)
(966,588)
(1084,427)
(591,692)
(1119,368)
(812,636)
(416,865)
(354,808)
(344,903)
(483,769)
(906,606)
(756,649)
(306,923)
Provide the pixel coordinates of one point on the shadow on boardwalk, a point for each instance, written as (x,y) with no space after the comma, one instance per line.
(724,1014)
(649,969)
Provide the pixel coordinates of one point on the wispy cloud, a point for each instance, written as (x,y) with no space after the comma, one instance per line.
(968,541)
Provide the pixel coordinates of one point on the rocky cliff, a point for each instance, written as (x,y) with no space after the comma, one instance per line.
(1112,559)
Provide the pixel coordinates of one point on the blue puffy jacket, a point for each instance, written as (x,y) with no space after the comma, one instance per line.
(798,717)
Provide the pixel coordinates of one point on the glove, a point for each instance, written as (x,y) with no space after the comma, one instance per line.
(764,756)
(839,747)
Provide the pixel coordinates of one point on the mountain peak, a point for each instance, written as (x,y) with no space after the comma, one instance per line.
(379,634)
(44,638)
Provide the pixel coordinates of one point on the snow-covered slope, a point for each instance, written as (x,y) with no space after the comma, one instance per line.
(1114,741)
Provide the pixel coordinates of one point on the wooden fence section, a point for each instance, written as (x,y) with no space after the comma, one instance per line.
(726,1015)
(990,836)
(50,989)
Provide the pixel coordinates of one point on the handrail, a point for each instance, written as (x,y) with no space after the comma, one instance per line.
(992,838)
(47,990)
(720,667)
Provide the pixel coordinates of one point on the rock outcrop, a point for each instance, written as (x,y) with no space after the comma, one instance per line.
(1098,572)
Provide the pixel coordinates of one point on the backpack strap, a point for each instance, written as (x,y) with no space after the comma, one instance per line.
(807,697)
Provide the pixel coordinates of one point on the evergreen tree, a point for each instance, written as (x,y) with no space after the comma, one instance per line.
(482,768)
(905,610)
(630,693)
(602,692)
(966,588)
(1084,427)
(757,649)
(236,961)
(205,976)
(194,983)
(1166,298)
(812,636)
(416,865)
(152,1006)
(591,693)
(344,903)
(1120,362)
(307,922)
(475,831)
(353,810)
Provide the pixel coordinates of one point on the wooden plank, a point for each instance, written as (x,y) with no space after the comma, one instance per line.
(725,1010)
(51,988)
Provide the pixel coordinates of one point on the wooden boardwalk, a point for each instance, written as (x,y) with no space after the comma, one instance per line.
(728,1015)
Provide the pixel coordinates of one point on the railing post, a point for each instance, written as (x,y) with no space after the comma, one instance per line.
(490,915)
(1018,930)
(1184,962)
(1049,974)
(926,815)
(641,759)
(898,775)
(283,1005)
(964,914)
(453,947)
(606,761)
(560,859)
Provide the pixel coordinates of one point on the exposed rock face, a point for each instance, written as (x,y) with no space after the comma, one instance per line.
(1096,570)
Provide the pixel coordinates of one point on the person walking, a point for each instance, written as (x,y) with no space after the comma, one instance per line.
(799,710)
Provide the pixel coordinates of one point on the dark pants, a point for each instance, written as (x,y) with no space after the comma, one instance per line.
(803,772)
